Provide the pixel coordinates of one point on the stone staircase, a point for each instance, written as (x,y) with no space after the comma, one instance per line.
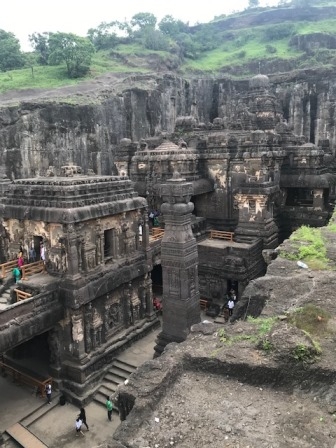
(5,298)
(28,420)
(117,374)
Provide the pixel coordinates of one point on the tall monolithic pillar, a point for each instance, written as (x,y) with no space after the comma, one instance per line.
(179,259)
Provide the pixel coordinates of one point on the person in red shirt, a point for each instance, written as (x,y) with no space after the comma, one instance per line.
(20,262)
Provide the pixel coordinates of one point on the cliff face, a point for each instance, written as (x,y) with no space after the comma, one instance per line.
(36,133)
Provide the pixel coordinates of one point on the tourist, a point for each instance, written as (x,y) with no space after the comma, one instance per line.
(157,305)
(20,262)
(16,274)
(109,407)
(231,305)
(151,218)
(42,252)
(32,255)
(82,416)
(48,392)
(78,426)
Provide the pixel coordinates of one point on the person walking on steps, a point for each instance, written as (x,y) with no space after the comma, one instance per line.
(82,416)
(48,392)
(109,407)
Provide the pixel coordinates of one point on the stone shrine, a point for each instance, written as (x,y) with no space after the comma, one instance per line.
(179,261)
(97,267)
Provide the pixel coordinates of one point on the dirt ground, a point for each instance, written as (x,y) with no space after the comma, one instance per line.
(222,413)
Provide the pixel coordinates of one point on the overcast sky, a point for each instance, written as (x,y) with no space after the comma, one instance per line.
(24,17)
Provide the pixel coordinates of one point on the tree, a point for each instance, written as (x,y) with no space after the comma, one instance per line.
(74,50)
(30,61)
(155,40)
(105,35)
(172,27)
(40,43)
(303,3)
(10,52)
(143,20)
(253,3)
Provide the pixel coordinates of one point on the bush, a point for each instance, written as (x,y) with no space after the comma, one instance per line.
(278,32)
(241,54)
(270,49)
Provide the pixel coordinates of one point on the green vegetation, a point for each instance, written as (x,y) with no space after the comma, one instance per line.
(134,46)
(311,319)
(305,354)
(308,245)
(258,337)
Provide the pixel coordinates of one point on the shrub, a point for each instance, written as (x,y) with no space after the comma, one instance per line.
(241,54)
(270,49)
(278,32)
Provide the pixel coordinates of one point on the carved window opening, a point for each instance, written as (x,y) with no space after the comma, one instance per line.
(300,197)
(108,243)
(252,206)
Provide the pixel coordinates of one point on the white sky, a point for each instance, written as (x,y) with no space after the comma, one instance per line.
(24,17)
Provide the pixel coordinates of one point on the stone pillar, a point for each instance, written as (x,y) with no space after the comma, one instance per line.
(72,252)
(179,259)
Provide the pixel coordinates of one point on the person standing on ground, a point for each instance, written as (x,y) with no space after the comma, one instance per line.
(78,426)
(16,274)
(48,392)
(20,262)
(82,416)
(231,305)
(109,407)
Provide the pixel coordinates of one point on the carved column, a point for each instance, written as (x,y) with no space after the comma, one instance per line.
(72,251)
(179,259)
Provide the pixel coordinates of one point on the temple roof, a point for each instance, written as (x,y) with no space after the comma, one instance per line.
(167,145)
(69,199)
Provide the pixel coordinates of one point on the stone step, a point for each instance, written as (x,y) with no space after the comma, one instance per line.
(107,389)
(40,411)
(114,378)
(122,374)
(124,366)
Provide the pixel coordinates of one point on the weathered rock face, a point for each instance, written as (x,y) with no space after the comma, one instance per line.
(37,133)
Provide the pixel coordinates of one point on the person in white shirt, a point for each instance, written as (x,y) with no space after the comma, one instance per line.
(78,426)
(231,305)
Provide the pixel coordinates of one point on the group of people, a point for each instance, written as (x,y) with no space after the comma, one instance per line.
(231,301)
(17,271)
(81,418)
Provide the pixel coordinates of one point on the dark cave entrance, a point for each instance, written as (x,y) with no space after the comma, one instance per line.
(313,113)
(32,357)
(157,281)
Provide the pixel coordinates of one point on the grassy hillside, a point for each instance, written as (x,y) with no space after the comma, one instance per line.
(273,39)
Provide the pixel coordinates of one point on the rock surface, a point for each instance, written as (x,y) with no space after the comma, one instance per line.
(237,385)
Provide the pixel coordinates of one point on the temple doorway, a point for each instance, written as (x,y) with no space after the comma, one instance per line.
(37,242)
(157,281)
(232,285)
